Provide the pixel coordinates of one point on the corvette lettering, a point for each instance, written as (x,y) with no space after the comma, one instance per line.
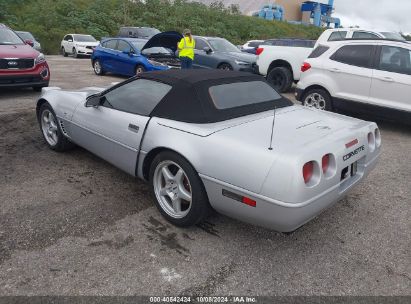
(353,153)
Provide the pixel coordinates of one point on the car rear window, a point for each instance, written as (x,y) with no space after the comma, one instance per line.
(238,94)
(318,51)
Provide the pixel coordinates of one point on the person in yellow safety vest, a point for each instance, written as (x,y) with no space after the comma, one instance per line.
(186,50)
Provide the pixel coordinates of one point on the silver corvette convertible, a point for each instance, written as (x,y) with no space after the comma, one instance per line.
(216,140)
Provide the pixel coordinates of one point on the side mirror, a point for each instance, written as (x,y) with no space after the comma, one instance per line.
(207,50)
(94,101)
(29,42)
(128,52)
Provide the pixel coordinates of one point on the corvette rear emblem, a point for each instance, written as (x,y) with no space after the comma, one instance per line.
(353,153)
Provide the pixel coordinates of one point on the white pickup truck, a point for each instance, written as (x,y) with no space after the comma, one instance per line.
(280,60)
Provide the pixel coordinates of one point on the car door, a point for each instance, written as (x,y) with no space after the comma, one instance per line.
(69,43)
(391,82)
(350,72)
(108,56)
(202,60)
(65,43)
(114,129)
(124,58)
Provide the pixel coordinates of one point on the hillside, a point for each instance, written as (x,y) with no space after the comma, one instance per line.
(50,20)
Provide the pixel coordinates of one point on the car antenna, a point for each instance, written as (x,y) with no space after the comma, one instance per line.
(272,131)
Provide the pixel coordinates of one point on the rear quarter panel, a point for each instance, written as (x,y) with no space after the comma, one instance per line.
(213,155)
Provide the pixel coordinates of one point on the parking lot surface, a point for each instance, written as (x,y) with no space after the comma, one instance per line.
(71,224)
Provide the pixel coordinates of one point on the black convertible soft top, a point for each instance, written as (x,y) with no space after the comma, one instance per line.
(189,99)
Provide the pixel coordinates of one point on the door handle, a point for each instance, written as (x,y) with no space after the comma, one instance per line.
(387,79)
(133,128)
(335,70)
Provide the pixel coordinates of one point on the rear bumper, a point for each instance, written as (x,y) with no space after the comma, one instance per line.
(277,215)
(39,76)
(249,69)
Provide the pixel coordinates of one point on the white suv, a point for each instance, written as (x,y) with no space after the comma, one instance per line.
(77,44)
(367,76)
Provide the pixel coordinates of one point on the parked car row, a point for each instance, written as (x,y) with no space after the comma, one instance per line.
(131,56)
(349,69)
(359,76)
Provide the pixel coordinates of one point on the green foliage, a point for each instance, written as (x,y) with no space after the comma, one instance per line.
(50,20)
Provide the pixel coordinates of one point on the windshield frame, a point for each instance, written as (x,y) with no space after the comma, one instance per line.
(12,34)
(76,36)
(393,35)
(25,35)
(151,31)
(233,48)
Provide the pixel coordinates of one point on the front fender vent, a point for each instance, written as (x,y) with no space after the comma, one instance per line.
(63,129)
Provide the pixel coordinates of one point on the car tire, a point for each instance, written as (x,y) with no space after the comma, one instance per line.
(75,54)
(319,99)
(51,129)
(97,67)
(182,201)
(281,78)
(63,52)
(225,67)
(139,69)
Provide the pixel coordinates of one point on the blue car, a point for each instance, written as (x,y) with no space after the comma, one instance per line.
(132,56)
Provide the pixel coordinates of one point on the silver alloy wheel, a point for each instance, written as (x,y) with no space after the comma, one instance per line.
(172,189)
(226,67)
(49,127)
(315,100)
(97,67)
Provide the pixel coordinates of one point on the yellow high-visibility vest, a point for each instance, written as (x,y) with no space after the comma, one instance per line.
(187,48)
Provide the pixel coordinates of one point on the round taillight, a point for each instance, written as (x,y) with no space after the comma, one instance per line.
(325,162)
(308,170)
(371,141)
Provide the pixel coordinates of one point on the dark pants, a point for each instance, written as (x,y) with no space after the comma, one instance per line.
(186,63)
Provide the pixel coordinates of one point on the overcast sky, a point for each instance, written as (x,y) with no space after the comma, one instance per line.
(392,15)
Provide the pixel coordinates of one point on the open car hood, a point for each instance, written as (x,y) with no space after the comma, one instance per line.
(168,40)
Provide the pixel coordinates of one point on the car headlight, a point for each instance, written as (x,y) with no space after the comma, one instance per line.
(239,62)
(40,59)
(156,63)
